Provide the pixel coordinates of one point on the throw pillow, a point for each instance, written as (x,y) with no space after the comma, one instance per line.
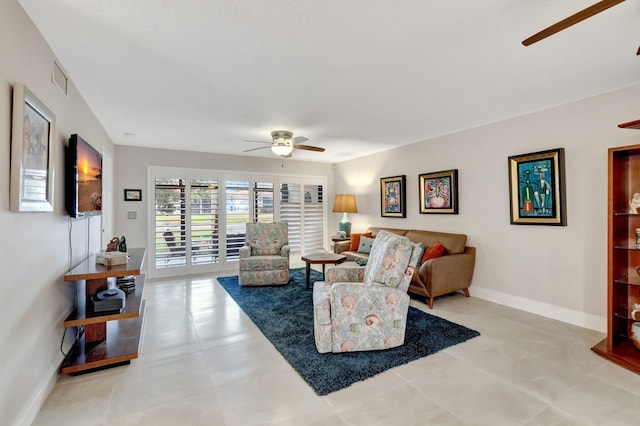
(355,240)
(435,250)
(365,244)
(420,248)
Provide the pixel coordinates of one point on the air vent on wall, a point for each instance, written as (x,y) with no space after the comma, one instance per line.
(59,77)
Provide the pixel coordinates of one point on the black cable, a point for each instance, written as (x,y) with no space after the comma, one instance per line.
(70,245)
(62,342)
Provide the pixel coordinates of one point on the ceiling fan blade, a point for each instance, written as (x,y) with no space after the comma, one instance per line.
(255,149)
(309,148)
(571,20)
(249,140)
(299,139)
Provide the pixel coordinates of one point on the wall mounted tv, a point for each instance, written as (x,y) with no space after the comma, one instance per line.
(83,180)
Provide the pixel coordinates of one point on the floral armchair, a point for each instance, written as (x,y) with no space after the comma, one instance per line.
(264,259)
(365,308)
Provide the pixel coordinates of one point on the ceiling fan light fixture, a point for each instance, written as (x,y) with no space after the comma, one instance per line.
(281,149)
(282,143)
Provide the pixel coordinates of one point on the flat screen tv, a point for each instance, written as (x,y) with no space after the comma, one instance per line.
(83,180)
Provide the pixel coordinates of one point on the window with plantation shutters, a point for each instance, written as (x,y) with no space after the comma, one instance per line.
(200,216)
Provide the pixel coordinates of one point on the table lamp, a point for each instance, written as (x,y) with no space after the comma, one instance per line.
(345,203)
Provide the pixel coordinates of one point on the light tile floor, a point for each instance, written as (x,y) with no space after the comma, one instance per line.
(203,362)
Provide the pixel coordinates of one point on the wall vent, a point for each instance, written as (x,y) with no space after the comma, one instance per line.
(59,78)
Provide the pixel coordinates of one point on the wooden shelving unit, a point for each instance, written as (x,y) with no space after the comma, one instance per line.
(623,287)
(109,338)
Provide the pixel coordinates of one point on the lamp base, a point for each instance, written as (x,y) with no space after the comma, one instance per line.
(345,227)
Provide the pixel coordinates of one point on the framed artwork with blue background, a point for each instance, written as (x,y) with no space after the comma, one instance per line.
(393,202)
(537,188)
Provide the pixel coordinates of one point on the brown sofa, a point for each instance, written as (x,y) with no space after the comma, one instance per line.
(442,275)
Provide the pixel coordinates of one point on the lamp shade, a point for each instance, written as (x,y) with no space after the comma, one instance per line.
(345,203)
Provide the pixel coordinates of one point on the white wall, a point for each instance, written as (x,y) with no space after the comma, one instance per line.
(34,248)
(555,271)
(131,173)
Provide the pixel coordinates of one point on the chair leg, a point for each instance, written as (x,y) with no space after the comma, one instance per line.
(431,302)
(466,292)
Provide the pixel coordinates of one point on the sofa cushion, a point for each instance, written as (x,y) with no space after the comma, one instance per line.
(365,244)
(355,240)
(435,250)
(453,243)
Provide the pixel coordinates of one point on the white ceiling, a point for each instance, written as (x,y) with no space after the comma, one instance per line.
(355,77)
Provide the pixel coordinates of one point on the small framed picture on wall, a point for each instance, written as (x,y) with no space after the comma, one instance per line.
(393,202)
(439,192)
(133,194)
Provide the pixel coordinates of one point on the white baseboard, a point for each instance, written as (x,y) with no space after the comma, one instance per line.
(559,313)
(41,396)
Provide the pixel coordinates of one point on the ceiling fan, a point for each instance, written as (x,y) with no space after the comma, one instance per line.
(284,143)
(594,9)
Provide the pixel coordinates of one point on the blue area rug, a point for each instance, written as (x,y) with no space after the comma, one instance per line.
(284,314)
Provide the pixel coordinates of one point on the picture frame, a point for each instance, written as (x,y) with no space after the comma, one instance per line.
(537,188)
(133,194)
(439,192)
(32,154)
(393,201)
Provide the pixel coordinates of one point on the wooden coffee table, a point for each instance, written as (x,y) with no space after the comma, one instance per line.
(321,259)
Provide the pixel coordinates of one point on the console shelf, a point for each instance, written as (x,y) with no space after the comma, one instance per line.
(110,338)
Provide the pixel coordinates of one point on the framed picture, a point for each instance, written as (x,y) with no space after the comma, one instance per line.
(392,196)
(536,188)
(133,194)
(439,192)
(32,173)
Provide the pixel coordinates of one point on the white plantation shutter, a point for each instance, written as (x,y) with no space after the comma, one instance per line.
(302,206)
(170,212)
(204,221)
(290,212)
(263,202)
(237,215)
(313,219)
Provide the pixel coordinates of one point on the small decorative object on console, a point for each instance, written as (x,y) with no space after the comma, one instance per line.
(123,245)
(111,258)
(113,244)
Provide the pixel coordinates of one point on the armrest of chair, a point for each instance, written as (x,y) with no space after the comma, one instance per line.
(340,246)
(449,273)
(344,274)
(285,250)
(245,251)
